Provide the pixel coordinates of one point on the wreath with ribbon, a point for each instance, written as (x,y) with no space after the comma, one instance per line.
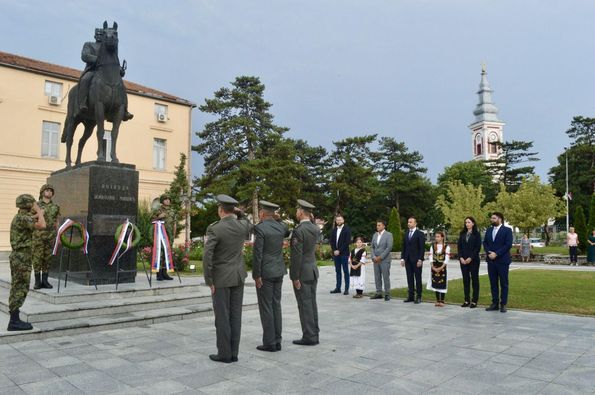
(136,239)
(66,239)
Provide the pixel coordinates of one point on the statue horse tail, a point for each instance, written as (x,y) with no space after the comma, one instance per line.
(68,129)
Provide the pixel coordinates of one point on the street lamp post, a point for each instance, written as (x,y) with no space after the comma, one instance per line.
(567,196)
(186,203)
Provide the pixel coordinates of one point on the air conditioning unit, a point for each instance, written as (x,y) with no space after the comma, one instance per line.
(161,117)
(54,100)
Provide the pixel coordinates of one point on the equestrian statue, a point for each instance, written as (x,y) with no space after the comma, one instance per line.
(99,96)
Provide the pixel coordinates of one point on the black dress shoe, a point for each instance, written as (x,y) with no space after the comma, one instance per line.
(376,296)
(386,298)
(346,292)
(417,301)
(278,346)
(336,291)
(473,305)
(408,300)
(493,307)
(267,348)
(302,342)
(217,358)
(234,359)
(466,304)
(503,309)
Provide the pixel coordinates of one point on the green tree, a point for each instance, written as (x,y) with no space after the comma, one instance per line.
(580,227)
(531,206)
(178,189)
(394,227)
(473,172)
(242,133)
(506,167)
(581,163)
(461,201)
(202,217)
(144,223)
(314,176)
(351,172)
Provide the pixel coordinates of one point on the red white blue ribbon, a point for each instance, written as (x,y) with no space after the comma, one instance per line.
(161,246)
(116,254)
(67,224)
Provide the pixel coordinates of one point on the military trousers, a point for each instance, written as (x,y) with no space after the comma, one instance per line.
(42,246)
(306,301)
(227,306)
(20,278)
(269,306)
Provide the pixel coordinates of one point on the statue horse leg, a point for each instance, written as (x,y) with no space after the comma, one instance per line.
(100,118)
(115,130)
(89,126)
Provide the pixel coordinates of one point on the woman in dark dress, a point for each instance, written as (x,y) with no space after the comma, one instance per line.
(469,245)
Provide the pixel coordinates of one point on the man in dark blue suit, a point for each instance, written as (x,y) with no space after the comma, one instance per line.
(340,240)
(412,258)
(497,244)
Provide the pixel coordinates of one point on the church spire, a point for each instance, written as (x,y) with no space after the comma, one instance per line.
(486,110)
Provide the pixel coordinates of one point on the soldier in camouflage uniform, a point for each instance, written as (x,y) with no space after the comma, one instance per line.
(43,239)
(29,217)
(166,214)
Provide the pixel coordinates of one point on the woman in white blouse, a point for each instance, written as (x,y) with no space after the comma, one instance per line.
(439,256)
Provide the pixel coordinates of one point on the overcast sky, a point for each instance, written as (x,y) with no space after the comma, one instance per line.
(337,68)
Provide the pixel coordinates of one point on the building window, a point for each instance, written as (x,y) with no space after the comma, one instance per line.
(107,145)
(478,144)
(161,112)
(53,89)
(159,154)
(493,148)
(49,139)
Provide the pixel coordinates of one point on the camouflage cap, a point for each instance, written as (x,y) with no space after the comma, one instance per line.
(46,186)
(24,200)
(163,197)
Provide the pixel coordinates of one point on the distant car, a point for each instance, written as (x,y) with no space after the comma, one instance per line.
(537,242)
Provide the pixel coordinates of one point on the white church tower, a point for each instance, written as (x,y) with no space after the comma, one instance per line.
(486,130)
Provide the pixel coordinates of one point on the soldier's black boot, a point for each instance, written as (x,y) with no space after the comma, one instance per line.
(160,275)
(44,281)
(15,323)
(166,276)
(37,281)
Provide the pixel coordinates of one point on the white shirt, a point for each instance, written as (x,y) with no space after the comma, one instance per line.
(495,231)
(379,236)
(339,229)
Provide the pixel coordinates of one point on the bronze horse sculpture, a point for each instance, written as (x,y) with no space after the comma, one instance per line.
(107,100)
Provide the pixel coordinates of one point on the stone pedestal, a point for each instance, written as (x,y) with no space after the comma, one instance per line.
(100,195)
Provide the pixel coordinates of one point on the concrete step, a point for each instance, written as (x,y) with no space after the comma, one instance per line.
(75,293)
(35,311)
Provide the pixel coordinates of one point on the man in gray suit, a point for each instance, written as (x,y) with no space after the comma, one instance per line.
(304,273)
(382,244)
(225,272)
(268,269)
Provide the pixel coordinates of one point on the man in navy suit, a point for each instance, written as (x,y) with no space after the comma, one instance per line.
(340,241)
(412,259)
(497,244)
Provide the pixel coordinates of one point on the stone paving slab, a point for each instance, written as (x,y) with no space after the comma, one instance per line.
(367,346)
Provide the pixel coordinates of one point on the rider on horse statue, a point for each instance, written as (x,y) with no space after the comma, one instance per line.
(89,56)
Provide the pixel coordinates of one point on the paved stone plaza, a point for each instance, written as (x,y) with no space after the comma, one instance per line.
(366,346)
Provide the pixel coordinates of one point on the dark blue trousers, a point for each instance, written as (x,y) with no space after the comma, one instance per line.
(498,273)
(342,261)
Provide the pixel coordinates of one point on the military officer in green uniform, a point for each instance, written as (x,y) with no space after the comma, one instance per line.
(165,213)
(225,272)
(304,272)
(29,217)
(268,269)
(43,239)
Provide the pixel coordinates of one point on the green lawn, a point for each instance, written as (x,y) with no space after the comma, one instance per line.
(543,290)
(550,250)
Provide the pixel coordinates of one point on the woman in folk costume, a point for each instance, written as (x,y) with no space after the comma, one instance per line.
(439,255)
(357,272)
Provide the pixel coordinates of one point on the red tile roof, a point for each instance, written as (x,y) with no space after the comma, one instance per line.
(37,66)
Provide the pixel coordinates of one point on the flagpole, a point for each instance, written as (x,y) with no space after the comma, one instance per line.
(567,197)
